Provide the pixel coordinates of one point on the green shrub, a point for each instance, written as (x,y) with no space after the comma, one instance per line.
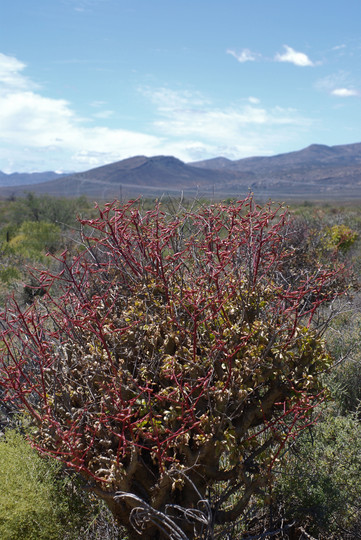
(9,274)
(34,239)
(33,499)
(59,210)
(319,483)
(344,381)
(339,237)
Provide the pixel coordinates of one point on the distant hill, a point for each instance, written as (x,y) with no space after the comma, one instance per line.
(317,171)
(159,171)
(313,156)
(138,175)
(20,179)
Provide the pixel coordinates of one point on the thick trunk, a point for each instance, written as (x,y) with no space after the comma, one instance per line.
(142,499)
(151,521)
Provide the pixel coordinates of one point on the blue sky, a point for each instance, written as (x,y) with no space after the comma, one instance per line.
(89,82)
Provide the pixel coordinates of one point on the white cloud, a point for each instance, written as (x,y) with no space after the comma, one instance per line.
(82,6)
(244,56)
(344,92)
(39,132)
(294,57)
(42,133)
(338,84)
(103,114)
(11,76)
(167,99)
(98,103)
(235,131)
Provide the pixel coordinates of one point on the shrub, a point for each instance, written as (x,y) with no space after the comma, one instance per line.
(339,237)
(9,274)
(33,500)
(344,381)
(318,485)
(177,358)
(34,239)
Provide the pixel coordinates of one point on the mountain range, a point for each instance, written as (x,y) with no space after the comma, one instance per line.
(19,179)
(317,171)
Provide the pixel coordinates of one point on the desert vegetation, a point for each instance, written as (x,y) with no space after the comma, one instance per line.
(179,370)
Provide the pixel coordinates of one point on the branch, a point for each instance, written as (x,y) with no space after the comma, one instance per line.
(142,513)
